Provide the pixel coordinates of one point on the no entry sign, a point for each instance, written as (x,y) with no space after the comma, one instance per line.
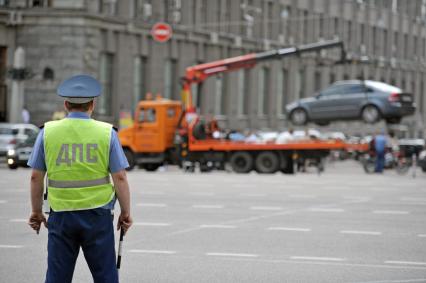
(161,32)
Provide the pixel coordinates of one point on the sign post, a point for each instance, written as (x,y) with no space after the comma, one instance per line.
(161,32)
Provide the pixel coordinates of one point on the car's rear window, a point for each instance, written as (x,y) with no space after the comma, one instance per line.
(383,87)
(6,131)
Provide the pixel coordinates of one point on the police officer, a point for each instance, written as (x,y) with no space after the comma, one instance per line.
(79,154)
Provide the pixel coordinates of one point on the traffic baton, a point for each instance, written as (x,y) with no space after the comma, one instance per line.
(120,244)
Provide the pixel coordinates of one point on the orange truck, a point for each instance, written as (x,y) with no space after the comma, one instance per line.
(171,132)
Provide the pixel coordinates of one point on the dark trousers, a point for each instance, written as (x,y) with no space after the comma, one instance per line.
(380,161)
(93,231)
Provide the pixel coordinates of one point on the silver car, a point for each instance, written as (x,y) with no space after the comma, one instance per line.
(353,100)
(11,134)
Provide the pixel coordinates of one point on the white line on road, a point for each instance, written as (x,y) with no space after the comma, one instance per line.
(152,252)
(266,208)
(207,206)
(3,201)
(217,226)
(151,224)
(319,209)
(317,258)
(397,281)
(405,262)
(232,254)
(10,247)
(152,204)
(289,229)
(18,220)
(361,232)
(391,212)
(421,235)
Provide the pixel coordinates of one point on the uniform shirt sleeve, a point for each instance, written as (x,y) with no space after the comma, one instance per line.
(117,159)
(36,160)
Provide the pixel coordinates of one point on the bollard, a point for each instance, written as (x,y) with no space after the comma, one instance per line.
(414,165)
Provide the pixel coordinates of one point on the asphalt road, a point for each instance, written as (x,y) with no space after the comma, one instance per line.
(341,226)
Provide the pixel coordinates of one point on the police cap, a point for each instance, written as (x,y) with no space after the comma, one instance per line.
(79,89)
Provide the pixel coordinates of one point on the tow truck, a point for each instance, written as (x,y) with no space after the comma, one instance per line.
(171,132)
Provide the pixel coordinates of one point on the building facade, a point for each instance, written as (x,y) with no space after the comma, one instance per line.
(110,39)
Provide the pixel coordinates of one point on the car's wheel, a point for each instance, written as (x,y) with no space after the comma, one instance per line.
(13,166)
(267,162)
(299,116)
(130,158)
(241,162)
(370,114)
(151,167)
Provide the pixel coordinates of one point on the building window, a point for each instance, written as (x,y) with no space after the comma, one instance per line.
(247,92)
(270,21)
(139,86)
(218,95)
(106,77)
(282,79)
(109,7)
(300,83)
(242,96)
(263,95)
(170,78)
(317,81)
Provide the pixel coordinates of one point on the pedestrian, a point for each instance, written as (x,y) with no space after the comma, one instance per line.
(380,143)
(25,115)
(79,153)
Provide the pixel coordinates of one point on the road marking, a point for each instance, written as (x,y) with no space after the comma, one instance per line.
(231,254)
(150,224)
(319,209)
(18,220)
(289,229)
(302,196)
(405,262)
(202,194)
(218,226)
(10,247)
(153,252)
(152,204)
(207,206)
(422,235)
(266,208)
(361,232)
(3,201)
(357,198)
(252,195)
(391,212)
(317,258)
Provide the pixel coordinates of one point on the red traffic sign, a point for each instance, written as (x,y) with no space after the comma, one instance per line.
(161,32)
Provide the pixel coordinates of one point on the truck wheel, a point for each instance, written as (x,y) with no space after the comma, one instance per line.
(130,158)
(267,162)
(241,162)
(13,166)
(151,167)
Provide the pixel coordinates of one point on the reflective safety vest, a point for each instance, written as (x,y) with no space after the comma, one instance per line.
(77,159)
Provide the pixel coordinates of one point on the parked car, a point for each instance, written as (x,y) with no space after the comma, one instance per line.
(11,134)
(20,155)
(366,100)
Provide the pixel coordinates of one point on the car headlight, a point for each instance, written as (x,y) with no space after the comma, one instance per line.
(11,152)
(10,161)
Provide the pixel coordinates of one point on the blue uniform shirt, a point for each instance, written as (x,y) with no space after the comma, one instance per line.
(117,159)
(380,143)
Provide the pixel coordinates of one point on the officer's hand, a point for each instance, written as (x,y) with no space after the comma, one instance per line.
(124,222)
(35,220)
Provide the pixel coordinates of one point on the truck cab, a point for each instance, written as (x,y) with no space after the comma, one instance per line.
(149,141)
